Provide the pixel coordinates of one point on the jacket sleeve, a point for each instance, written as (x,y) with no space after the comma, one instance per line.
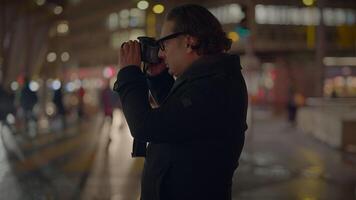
(191,116)
(160,85)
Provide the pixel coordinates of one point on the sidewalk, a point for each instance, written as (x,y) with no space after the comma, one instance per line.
(54,165)
(281,162)
(114,175)
(278,163)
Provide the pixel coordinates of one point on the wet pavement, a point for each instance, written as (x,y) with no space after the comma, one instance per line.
(92,161)
(281,162)
(53,165)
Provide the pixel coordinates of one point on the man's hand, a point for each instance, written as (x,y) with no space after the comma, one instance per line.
(129,54)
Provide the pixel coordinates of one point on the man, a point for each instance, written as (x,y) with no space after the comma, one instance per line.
(196,135)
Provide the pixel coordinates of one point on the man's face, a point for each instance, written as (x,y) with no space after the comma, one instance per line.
(174,50)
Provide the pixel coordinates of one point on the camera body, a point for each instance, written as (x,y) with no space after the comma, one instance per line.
(149,50)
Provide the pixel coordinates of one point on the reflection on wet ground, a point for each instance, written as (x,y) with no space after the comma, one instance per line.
(92,160)
(50,166)
(280,162)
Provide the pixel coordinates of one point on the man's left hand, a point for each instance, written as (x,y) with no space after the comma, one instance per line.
(129,54)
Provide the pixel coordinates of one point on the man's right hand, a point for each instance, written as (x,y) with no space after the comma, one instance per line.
(155,69)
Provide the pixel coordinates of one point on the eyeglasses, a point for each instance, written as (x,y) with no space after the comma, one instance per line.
(161,41)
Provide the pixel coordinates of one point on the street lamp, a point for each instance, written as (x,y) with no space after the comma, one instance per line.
(158,8)
(142,5)
(308,2)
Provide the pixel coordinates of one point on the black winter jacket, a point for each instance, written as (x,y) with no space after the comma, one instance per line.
(196,135)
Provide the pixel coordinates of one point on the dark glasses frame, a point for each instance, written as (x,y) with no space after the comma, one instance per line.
(160,41)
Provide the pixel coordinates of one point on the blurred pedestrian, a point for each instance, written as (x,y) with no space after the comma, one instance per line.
(58,101)
(333,94)
(108,100)
(196,135)
(81,111)
(292,106)
(28,100)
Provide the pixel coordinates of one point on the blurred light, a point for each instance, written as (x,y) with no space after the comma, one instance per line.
(242,32)
(34,86)
(311,36)
(99,83)
(58,10)
(353,83)
(133,22)
(351,19)
(56,84)
(113,21)
(328,86)
(51,57)
(261,14)
(291,15)
(137,17)
(269,82)
(124,23)
(349,80)
(70,87)
(346,71)
(124,14)
(50,109)
(65,56)
(233,36)
(143,5)
(49,83)
(40,2)
(158,9)
(308,2)
(77,83)
(339,61)
(151,24)
(340,81)
(20,79)
(63,27)
(134,12)
(10,118)
(108,72)
(340,16)
(85,83)
(43,122)
(313,171)
(229,13)
(328,16)
(14,86)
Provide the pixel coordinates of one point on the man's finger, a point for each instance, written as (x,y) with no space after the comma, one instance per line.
(137,46)
(122,45)
(121,56)
(126,46)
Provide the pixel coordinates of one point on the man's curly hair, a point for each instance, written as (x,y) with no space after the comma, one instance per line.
(198,22)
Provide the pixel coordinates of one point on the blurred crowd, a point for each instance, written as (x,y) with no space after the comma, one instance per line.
(29,110)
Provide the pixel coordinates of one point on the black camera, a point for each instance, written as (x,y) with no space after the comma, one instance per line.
(149,50)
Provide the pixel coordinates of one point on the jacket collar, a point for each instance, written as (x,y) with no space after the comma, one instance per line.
(207,66)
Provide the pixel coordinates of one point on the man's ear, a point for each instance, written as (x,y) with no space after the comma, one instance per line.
(189,42)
